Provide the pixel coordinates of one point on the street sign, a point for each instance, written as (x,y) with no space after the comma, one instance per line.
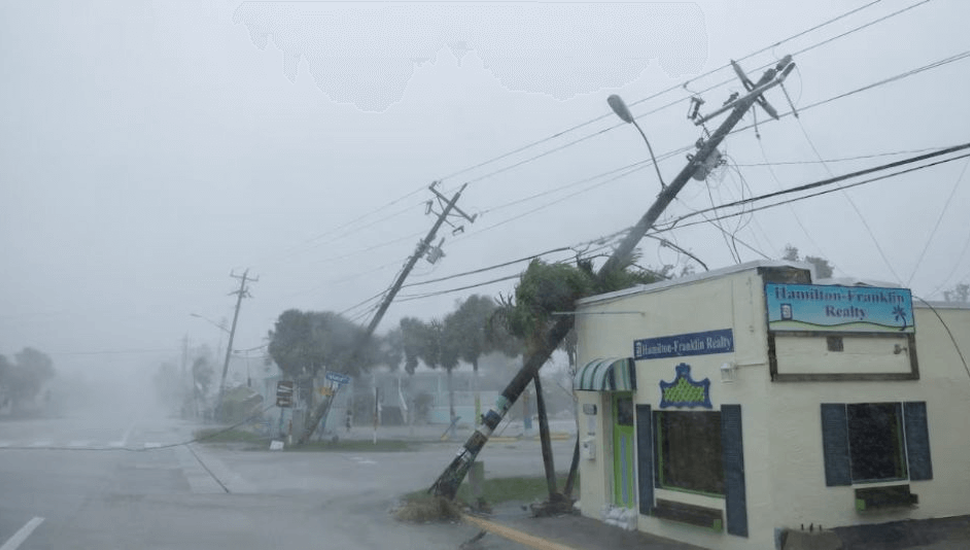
(338,377)
(284,393)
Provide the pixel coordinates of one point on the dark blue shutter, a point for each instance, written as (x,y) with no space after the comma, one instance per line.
(835,445)
(645,458)
(732,455)
(917,441)
(658,448)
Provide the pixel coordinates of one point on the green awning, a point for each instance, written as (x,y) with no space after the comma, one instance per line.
(610,374)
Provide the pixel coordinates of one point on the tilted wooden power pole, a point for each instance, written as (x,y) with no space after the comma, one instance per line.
(447,483)
(243,292)
(424,248)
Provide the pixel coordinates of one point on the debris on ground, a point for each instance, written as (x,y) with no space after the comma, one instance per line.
(427,508)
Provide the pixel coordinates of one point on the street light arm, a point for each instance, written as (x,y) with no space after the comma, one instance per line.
(654,158)
(210,321)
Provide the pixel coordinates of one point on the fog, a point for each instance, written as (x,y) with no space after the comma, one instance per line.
(150,149)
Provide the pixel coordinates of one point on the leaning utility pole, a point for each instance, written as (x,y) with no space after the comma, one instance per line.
(699,164)
(425,248)
(242,292)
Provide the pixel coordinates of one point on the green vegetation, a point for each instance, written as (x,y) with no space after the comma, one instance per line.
(500,489)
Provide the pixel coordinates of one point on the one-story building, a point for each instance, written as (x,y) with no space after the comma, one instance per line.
(725,408)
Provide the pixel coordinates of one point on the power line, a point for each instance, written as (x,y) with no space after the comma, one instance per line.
(489,268)
(638,166)
(112,352)
(865,223)
(608,115)
(817,184)
(682,85)
(966,247)
(642,164)
(768,164)
(410,297)
(946,204)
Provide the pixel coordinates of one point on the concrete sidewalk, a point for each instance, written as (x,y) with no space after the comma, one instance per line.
(575,532)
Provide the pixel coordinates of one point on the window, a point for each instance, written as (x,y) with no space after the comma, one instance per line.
(689,451)
(875,442)
(876,450)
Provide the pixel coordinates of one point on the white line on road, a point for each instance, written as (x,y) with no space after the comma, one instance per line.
(20,536)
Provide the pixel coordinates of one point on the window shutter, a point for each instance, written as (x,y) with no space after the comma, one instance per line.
(732,452)
(645,458)
(835,445)
(658,450)
(917,441)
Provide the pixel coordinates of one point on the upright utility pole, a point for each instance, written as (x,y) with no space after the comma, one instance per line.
(424,249)
(242,292)
(447,483)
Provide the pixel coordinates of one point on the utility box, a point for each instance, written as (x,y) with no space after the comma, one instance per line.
(589,448)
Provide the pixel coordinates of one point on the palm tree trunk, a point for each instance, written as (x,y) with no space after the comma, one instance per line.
(547,460)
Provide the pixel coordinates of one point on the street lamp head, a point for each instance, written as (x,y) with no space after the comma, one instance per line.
(620,108)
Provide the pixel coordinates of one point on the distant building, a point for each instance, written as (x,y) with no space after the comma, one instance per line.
(722,409)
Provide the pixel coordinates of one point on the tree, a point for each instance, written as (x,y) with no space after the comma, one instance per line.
(545,289)
(391,347)
(440,349)
(23,379)
(823,270)
(412,338)
(304,343)
(469,324)
(959,293)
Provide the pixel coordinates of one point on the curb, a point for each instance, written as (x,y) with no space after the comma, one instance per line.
(513,535)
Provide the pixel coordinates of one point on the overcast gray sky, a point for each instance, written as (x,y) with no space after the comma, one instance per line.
(147,149)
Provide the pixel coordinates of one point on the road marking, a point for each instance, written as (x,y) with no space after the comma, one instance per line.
(42,443)
(152,445)
(20,536)
(5,444)
(116,444)
(80,443)
(512,534)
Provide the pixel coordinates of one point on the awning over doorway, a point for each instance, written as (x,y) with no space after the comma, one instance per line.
(610,374)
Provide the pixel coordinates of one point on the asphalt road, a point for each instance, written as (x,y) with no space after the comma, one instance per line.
(133,492)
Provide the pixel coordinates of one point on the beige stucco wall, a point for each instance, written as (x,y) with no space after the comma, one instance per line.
(797,467)
(784,469)
(733,301)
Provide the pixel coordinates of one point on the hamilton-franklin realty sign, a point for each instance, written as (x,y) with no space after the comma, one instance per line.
(681,345)
(839,308)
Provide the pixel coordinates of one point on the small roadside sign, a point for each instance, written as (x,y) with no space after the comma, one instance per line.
(338,377)
(325,390)
(284,393)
